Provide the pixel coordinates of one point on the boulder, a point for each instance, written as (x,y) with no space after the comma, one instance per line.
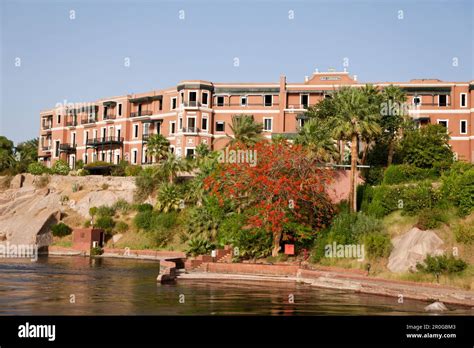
(413,247)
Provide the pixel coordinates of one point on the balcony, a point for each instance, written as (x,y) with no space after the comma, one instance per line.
(88,120)
(71,123)
(104,141)
(46,127)
(190,130)
(46,148)
(192,104)
(141,113)
(109,117)
(68,148)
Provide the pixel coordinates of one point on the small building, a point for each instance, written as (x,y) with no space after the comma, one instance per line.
(84,238)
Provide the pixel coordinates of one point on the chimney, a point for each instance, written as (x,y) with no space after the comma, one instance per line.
(355,77)
(306,78)
(316,70)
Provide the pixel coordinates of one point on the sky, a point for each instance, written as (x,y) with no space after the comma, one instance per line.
(52,51)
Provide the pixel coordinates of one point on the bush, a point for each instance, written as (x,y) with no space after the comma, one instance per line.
(145,184)
(37,168)
(82,172)
(60,167)
(107,223)
(96,251)
(431,218)
(199,246)
(144,207)
(373,175)
(377,245)
(143,220)
(458,187)
(122,206)
(396,174)
(419,197)
(441,264)
(255,243)
(105,210)
(61,230)
(131,170)
(464,233)
(121,227)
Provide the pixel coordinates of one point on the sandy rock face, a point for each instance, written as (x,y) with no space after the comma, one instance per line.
(413,247)
(27,213)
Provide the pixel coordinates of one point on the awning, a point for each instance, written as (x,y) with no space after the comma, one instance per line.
(110,103)
(146,99)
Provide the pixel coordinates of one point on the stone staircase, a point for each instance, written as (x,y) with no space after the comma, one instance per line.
(200,262)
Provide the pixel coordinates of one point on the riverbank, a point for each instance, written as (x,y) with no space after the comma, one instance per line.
(334,278)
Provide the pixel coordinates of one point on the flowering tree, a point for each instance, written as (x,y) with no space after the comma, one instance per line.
(283,185)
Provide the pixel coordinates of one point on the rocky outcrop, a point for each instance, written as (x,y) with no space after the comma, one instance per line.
(27,210)
(413,247)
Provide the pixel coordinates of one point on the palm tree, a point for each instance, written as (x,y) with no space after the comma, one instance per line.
(246,131)
(375,100)
(316,136)
(169,198)
(158,146)
(172,165)
(393,116)
(354,116)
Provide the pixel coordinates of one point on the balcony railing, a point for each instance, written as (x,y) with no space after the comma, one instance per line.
(67,147)
(190,130)
(104,140)
(88,120)
(109,117)
(71,123)
(46,148)
(191,104)
(46,126)
(141,113)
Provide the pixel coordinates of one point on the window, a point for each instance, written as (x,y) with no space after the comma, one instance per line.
(135,130)
(444,123)
(85,158)
(205,97)
(59,119)
(172,127)
(304,99)
(220,126)
(189,153)
(327,96)
(463,127)
(204,123)
(416,100)
(442,100)
(243,101)
(134,156)
(56,148)
(146,128)
(103,132)
(191,122)
(267,124)
(105,112)
(220,101)
(86,137)
(120,109)
(463,100)
(268,100)
(173,103)
(180,124)
(73,139)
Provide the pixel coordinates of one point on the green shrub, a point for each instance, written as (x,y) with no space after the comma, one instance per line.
(60,167)
(464,233)
(373,175)
(458,187)
(37,168)
(230,227)
(143,220)
(431,218)
(377,245)
(61,230)
(146,183)
(107,223)
(122,206)
(79,164)
(418,197)
(82,172)
(250,244)
(93,211)
(96,251)
(131,170)
(199,246)
(169,198)
(121,227)
(105,210)
(144,207)
(397,174)
(441,264)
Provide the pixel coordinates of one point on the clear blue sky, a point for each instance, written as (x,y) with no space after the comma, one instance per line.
(83,59)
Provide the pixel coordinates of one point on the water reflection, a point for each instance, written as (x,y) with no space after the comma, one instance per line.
(116,286)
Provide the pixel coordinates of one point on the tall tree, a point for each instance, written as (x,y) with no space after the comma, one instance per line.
(172,165)
(158,146)
(316,136)
(394,114)
(246,131)
(354,116)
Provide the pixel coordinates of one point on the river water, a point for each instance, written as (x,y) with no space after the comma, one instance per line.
(106,286)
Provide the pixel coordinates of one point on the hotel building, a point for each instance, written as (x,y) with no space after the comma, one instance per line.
(196,111)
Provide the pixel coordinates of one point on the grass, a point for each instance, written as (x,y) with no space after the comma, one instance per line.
(65,242)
